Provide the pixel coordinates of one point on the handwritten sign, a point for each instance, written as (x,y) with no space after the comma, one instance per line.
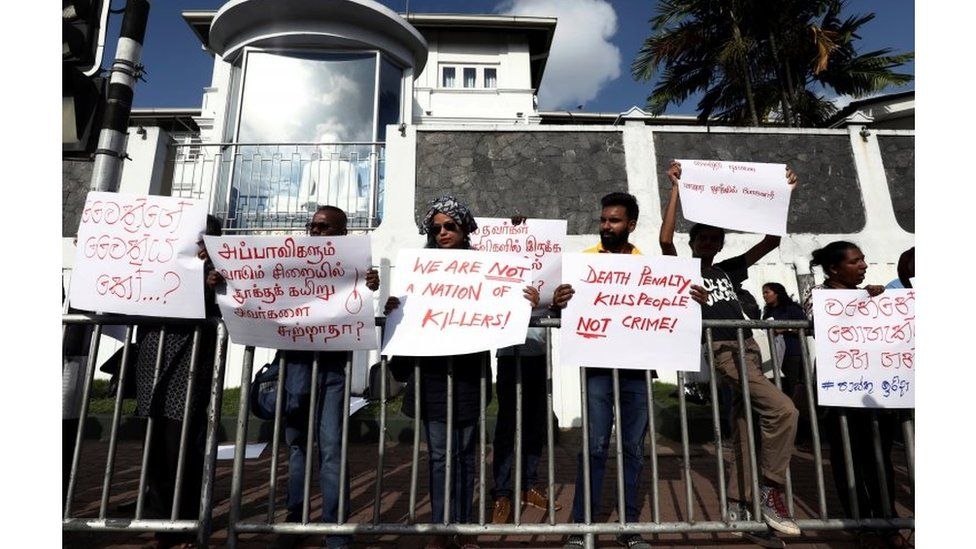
(865,348)
(296,293)
(138,255)
(631,311)
(745,196)
(457,301)
(540,240)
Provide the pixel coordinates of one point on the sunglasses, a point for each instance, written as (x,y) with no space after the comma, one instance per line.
(450,227)
(318,225)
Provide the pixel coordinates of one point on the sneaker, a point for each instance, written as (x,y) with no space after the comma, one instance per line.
(763,539)
(501,510)
(774,512)
(632,541)
(535,498)
(574,542)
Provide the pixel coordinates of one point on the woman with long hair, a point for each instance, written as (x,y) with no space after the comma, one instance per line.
(844,268)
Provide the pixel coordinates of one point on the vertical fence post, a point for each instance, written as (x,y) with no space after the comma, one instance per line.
(237,480)
(82,416)
(213,424)
(116,417)
(717,427)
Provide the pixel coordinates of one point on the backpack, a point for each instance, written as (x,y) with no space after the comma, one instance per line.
(264,392)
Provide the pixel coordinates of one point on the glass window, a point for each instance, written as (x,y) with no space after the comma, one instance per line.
(447,80)
(391,78)
(321,98)
(470,74)
(491,79)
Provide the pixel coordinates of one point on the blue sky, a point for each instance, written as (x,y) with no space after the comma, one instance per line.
(178,69)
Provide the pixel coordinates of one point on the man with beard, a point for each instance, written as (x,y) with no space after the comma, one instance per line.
(617,220)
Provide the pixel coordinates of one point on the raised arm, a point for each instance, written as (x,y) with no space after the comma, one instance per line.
(666,237)
(771,242)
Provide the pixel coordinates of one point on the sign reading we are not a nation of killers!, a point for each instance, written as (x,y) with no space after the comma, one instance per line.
(296,293)
(540,240)
(457,302)
(865,348)
(744,196)
(137,254)
(631,311)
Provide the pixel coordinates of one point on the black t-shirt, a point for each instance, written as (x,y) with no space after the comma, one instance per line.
(721,280)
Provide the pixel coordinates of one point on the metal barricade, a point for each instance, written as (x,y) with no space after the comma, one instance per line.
(729,522)
(102,522)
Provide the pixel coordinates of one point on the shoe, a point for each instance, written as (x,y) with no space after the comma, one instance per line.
(436,542)
(533,497)
(574,542)
(632,541)
(774,512)
(466,542)
(501,510)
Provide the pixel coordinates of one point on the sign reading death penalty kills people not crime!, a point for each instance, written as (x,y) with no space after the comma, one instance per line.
(540,240)
(631,311)
(457,302)
(297,293)
(865,348)
(745,196)
(137,254)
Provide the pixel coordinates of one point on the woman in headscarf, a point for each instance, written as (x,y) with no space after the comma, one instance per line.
(447,225)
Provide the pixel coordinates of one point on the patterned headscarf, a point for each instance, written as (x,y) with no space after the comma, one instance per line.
(449,205)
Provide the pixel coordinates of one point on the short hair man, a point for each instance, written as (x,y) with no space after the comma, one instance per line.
(327,221)
(618,219)
(776,410)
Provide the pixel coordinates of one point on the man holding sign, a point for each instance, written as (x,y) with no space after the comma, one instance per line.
(618,219)
(776,410)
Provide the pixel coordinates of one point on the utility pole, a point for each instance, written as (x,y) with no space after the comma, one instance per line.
(107,169)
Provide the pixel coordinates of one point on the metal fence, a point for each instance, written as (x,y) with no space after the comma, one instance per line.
(277,186)
(824,519)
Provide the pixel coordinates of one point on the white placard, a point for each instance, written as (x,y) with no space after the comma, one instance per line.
(457,302)
(137,254)
(540,240)
(745,196)
(865,348)
(631,311)
(296,293)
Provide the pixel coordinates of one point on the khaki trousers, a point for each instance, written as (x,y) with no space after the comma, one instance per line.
(777,417)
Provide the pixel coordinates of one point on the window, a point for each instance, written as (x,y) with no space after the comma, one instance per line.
(471,77)
(491,79)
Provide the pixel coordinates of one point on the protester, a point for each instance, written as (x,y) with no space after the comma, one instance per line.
(778,416)
(534,416)
(330,394)
(618,219)
(844,268)
(161,395)
(780,306)
(447,225)
(906,270)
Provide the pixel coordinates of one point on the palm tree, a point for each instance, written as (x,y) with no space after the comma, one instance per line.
(760,60)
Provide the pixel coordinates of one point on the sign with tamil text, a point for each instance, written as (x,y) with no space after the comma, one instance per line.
(540,240)
(296,293)
(865,348)
(744,196)
(631,311)
(137,255)
(457,302)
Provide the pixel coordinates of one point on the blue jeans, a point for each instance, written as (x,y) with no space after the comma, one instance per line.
(633,423)
(331,388)
(462,470)
(534,409)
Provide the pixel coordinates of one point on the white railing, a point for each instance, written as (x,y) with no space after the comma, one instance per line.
(277,186)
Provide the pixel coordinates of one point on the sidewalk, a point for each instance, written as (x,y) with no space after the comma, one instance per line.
(396,486)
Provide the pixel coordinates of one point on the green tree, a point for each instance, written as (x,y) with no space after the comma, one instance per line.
(760,61)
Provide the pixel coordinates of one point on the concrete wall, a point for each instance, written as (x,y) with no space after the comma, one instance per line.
(898,155)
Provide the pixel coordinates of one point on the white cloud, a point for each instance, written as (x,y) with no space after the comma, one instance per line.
(582,59)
